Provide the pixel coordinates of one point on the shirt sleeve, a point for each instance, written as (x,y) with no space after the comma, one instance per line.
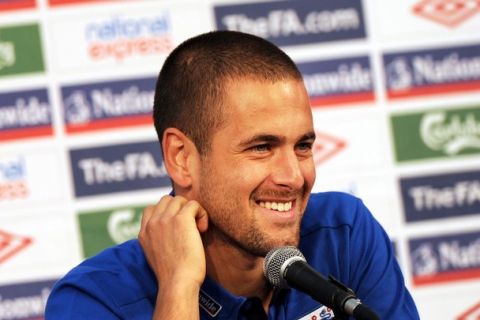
(375,273)
(68,301)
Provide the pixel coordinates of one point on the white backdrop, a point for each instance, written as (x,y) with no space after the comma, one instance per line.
(395,90)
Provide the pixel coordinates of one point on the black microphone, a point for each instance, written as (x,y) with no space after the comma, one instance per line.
(286,266)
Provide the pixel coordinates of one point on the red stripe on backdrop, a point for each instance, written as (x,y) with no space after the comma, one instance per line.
(24,133)
(342,99)
(103,124)
(449,88)
(447,277)
(19,4)
(67,2)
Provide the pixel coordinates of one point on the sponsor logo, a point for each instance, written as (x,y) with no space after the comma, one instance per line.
(16,4)
(447,12)
(452,134)
(102,229)
(24,301)
(446,70)
(25,114)
(441,196)
(325,147)
(120,37)
(7,54)
(11,244)
(295,22)
(332,82)
(322,313)
(20,50)
(439,133)
(116,168)
(13,178)
(108,104)
(471,314)
(209,304)
(23,176)
(445,258)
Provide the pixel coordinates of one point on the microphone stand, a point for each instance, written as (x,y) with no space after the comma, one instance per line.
(335,295)
(345,299)
(341,299)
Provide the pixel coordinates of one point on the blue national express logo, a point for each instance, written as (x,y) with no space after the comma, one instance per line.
(441,196)
(24,301)
(25,114)
(429,72)
(445,258)
(104,105)
(117,168)
(13,178)
(338,81)
(295,22)
(121,37)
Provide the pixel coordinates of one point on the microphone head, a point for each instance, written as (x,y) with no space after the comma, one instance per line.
(277,261)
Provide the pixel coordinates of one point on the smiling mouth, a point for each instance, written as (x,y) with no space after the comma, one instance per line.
(277,206)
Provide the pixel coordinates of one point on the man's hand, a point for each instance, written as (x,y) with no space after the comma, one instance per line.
(170,237)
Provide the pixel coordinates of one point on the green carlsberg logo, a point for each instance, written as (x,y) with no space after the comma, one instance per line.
(450,135)
(436,134)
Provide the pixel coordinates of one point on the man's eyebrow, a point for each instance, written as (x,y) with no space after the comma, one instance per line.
(270,138)
(260,138)
(308,136)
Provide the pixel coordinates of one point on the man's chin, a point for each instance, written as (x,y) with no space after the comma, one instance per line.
(261,250)
(284,242)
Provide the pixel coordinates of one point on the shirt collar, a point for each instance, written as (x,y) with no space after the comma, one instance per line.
(218,303)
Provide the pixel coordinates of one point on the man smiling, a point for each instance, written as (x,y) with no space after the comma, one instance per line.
(235,125)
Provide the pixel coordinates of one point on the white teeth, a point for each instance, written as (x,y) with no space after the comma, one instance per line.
(287,206)
(278,206)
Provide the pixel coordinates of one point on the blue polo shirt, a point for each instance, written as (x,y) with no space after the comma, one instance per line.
(339,237)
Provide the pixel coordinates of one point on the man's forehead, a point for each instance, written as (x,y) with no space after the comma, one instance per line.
(230,83)
(256,95)
(255,107)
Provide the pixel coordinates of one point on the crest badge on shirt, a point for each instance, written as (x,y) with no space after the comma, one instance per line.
(322,313)
(208,304)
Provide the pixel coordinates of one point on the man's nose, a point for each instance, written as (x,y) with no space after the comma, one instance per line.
(287,171)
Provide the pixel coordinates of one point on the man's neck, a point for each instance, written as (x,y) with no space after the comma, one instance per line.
(237,271)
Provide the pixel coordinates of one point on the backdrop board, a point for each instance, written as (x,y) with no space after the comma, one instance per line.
(395,94)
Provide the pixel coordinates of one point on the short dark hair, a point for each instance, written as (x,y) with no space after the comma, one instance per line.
(190,87)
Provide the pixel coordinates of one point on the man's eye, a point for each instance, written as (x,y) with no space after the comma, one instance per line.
(261,148)
(305,146)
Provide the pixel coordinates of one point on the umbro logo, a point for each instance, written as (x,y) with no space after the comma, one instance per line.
(11,244)
(472,313)
(326,146)
(450,13)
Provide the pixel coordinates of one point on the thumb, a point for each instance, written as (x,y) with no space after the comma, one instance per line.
(201,219)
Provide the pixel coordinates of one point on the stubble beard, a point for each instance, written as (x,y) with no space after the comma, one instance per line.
(229,226)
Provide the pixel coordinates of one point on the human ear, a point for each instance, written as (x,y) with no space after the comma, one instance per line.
(179,154)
